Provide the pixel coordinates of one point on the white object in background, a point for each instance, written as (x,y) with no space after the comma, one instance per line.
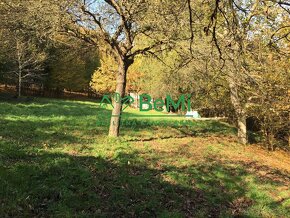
(192,114)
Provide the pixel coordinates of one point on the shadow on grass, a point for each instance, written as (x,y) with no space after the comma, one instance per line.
(54,184)
(57,184)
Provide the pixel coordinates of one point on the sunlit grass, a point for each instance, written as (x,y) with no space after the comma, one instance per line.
(56,161)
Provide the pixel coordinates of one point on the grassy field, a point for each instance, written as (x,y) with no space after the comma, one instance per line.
(56,161)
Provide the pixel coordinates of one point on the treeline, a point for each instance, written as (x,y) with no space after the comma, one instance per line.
(38,59)
(231,56)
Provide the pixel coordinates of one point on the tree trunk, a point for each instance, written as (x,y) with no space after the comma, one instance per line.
(241,116)
(242,129)
(19,67)
(270,140)
(19,83)
(120,89)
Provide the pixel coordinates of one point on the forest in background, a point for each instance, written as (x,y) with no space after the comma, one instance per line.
(231,56)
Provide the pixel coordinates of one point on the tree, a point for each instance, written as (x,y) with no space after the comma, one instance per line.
(28,61)
(71,64)
(25,27)
(268,95)
(25,59)
(103,80)
(232,26)
(117,26)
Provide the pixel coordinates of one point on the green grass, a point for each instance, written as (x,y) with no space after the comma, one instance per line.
(57,161)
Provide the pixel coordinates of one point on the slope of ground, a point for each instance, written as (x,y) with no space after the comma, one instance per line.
(56,160)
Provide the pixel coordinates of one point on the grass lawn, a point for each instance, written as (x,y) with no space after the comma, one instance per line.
(57,161)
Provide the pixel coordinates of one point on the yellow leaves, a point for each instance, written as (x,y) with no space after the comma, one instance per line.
(103,82)
(134,75)
(104,79)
